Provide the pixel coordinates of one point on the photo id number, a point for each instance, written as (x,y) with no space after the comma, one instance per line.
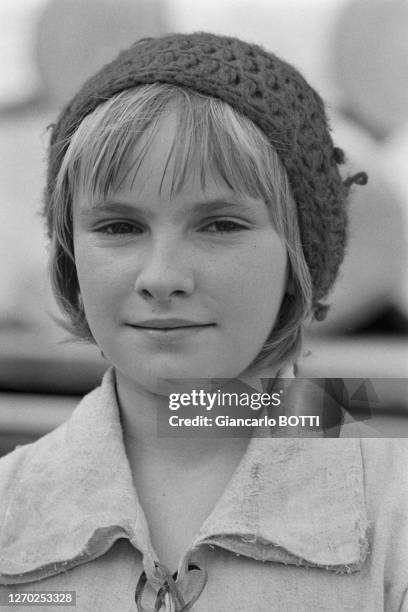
(37,598)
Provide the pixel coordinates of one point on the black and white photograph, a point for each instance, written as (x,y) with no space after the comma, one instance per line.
(204,305)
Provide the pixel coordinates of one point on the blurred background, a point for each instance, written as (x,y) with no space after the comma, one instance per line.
(354,52)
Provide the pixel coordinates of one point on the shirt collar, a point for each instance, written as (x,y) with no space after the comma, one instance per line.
(296,501)
(68,497)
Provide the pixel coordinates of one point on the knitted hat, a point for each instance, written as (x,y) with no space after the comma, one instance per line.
(265,89)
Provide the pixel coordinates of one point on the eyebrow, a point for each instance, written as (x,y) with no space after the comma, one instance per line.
(205,206)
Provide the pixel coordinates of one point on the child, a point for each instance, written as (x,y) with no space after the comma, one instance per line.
(197,220)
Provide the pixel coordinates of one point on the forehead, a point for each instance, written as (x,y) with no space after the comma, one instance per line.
(146,184)
(150,167)
(146,170)
(159,165)
(179,139)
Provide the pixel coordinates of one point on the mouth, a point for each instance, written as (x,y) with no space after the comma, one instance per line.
(169,325)
(166,332)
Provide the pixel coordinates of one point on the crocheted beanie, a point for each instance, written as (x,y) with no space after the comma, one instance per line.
(265,89)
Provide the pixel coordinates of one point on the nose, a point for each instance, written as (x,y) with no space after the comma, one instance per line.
(166,271)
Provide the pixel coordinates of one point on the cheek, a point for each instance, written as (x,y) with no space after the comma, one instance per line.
(256,280)
(101,283)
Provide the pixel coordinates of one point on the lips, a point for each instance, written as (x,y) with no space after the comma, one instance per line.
(169,324)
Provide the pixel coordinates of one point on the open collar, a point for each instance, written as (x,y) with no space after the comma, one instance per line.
(69,496)
(65,499)
(295,501)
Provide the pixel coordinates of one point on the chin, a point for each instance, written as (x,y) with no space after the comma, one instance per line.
(163,373)
(172,380)
(163,381)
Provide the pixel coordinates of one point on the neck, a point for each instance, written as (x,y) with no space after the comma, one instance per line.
(139,410)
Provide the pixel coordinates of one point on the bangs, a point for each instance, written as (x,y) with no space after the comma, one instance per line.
(210,138)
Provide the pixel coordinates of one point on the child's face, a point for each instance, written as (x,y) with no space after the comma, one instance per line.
(210,259)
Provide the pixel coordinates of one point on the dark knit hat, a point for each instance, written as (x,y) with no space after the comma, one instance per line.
(265,89)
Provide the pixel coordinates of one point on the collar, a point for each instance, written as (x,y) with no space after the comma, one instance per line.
(295,501)
(69,496)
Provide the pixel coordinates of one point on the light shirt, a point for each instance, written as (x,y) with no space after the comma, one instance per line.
(303,524)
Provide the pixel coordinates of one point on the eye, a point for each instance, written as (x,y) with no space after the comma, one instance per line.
(224,226)
(119,228)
